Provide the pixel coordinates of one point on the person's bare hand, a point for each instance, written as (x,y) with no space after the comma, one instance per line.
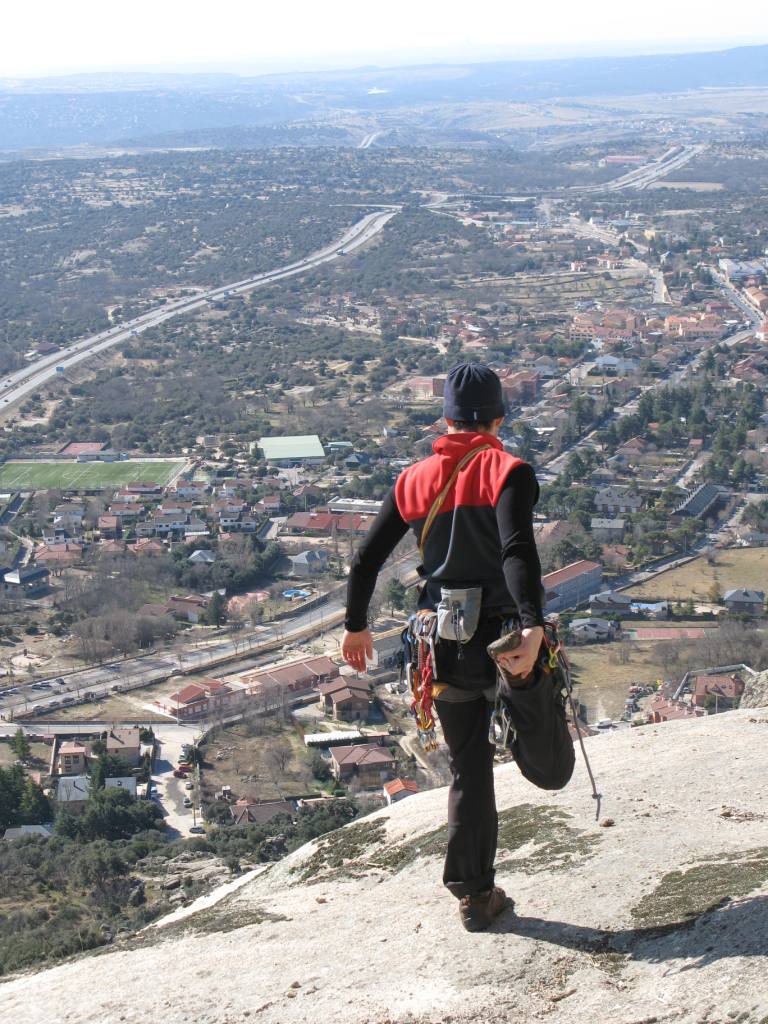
(521,660)
(356,647)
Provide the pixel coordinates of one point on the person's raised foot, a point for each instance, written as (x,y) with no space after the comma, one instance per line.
(478,911)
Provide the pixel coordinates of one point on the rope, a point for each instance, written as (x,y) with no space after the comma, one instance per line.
(421,634)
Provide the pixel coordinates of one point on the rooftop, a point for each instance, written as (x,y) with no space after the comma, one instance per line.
(299,446)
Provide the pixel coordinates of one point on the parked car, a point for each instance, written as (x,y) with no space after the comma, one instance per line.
(187,802)
(197,830)
(179,774)
(189,785)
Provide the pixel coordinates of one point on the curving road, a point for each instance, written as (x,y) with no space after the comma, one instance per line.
(16,386)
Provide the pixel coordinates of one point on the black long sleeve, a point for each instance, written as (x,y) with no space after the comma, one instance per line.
(386,532)
(519,557)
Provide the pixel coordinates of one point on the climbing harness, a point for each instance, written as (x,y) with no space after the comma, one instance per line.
(419,668)
(553,659)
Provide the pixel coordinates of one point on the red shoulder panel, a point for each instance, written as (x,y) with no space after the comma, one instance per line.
(479,483)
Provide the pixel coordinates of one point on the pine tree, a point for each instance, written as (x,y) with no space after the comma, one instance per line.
(216,611)
(34,808)
(20,744)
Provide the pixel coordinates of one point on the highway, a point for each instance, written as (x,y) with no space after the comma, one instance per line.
(369,139)
(642,177)
(16,386)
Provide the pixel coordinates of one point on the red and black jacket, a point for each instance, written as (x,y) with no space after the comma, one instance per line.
(482,535)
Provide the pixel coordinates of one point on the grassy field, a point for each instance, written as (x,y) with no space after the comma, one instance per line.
(29,476)
(735,567)
(603,682)
(40,752)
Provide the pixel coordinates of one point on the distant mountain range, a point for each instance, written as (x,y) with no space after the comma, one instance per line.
(117,109)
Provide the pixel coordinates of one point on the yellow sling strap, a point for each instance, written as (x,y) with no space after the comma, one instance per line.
(438,502)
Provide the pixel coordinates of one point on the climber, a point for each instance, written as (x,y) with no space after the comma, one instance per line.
(470,506)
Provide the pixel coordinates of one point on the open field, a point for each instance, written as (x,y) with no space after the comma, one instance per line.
(251,766)
(40,752)
(735,567)
(116,707)
(603,681)
(30,476)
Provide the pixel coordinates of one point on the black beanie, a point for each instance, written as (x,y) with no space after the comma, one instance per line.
(473,393)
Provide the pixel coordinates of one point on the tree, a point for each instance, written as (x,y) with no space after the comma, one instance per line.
(216,612)
(34,808)
(278,753)
(395,594)
(20,745)
(108,767)
(192,754)
(320,768)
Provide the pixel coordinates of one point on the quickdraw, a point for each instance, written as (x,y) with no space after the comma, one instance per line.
(419,641)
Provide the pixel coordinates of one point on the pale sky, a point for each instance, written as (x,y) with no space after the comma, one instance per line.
(42,37)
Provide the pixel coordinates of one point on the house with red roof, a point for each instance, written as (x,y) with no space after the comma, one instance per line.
(365,763)
(399,789)
(201,698)
(720,691)
(572,585)
(344,698)
(259,812)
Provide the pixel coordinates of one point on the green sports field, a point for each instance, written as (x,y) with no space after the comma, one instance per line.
(31,476)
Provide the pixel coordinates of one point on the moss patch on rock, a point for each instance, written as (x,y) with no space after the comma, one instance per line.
(397,856)
(682,896)
(336,850)
(558,845)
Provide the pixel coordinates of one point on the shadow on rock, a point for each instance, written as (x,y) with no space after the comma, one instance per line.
(729,929)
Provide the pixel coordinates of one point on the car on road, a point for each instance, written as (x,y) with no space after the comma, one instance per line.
(189,785)
(197,830)
(67,700)
(179,774)
(187,802)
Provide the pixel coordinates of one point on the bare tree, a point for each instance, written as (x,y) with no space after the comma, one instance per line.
(277,753)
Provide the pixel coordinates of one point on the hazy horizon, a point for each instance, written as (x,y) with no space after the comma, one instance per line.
(237,39)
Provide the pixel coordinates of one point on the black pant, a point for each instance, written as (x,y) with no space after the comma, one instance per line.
(542,748)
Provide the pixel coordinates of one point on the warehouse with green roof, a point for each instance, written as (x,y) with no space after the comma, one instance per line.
(299,448)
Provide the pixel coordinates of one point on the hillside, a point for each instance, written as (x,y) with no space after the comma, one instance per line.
(661,917)
(309,107)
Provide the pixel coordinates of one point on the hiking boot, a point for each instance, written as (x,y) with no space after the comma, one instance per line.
(478,911)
